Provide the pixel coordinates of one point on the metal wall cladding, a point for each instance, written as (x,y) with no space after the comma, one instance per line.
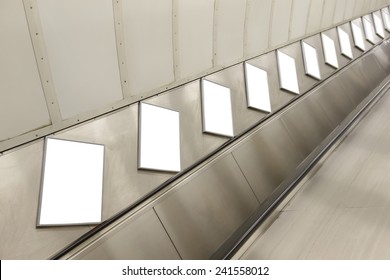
(307,124)
(23,106)
(299,18)
(204,212)
(20,173)
(145,238)
(267,158)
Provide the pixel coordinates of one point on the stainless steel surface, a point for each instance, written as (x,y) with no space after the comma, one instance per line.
(332,34)
(145,239)
(307,124)
(341,208)
(204,212)
(267,158)
(20,174)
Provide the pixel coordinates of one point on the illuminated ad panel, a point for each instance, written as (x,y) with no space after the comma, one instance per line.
(345,44)
(329,51)
(357,34)
(368,29)
(159,138)
(72,183)
(257,89)
(217,109)
(379,29)
(287,72)
(386,18)
(310,60)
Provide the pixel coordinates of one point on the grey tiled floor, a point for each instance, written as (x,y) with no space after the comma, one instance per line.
(342,211)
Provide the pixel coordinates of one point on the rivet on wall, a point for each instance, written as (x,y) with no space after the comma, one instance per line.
(119,34)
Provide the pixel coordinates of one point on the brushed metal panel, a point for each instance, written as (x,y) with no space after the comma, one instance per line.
(278,97)
(258,18)
(194,143)
(23,106)
(299,18)
(307,124)
(233,78)
(280,22)
(142,238)
(123,182)
(80,41)
(229,31)
(267,158)
(195,36)
(20,173)
(148,43)
(335,105)
(203,213)
(295,51)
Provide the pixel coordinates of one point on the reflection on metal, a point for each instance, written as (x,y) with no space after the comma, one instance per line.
(159,138)
(378,24)
(216,109)
(368,29)
(72,183)
(310,60)
(345,44)
(329,51)
(386,18)
(257,88)
(358,34)
(287,72)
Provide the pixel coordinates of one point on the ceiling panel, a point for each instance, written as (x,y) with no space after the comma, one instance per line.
(258,18)
(280,22)
(299,18)
(195,36)
(314,19)
(230,21)
(80,41)
(327,13)
(22,102)
(148,44)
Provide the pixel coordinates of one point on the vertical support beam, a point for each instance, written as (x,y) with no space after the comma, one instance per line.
(42,59)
